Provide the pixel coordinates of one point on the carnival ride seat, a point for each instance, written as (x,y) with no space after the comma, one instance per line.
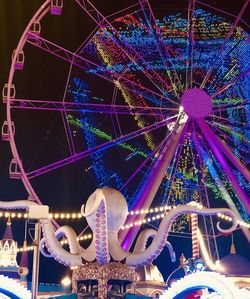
(56,7)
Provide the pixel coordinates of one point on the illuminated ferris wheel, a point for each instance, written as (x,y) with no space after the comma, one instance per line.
(156,107)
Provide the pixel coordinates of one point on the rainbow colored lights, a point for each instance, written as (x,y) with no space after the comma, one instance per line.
(194,173)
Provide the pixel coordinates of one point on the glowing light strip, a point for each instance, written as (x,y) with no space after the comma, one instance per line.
(12,215)
(227,218)
(156,217)
(12,286)
(76,122)
(63,242)
(28,248)
(194,229)
(76,215)
(148,220)
(8,214)
(212,266)
(138,118)
(218,283)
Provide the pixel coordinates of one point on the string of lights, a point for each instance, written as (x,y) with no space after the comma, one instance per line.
(228,218)
(62,242)
(76,215)
(127,226)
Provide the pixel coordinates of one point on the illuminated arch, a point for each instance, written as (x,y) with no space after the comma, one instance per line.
(13,289)
(214,281)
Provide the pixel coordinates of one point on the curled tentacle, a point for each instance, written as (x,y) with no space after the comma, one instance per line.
(101,233)
(89,254)
(55,248)
(227,230)
(95,212)
(142,240)
(115,248)
(160,239)
(95,206)
(52,244)
(71,237)
(74,246)
(171,251)
(43,248)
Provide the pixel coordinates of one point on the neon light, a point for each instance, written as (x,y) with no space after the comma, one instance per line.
(13,288)
(218,283)
(208,261)
(134,29)
(104,135)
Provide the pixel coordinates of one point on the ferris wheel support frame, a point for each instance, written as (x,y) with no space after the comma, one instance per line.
(151,185)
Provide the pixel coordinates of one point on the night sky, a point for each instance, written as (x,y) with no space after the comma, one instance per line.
(36,81)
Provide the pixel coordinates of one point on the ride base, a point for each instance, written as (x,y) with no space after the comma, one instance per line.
(93,280)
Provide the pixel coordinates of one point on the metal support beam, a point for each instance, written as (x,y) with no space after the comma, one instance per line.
(36,260)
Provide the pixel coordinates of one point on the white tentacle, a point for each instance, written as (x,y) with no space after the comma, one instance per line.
(160,239)
(96,215)
(55,248)
(105,211)
(73,258)
(101,234)
(116,251)
(142,240)
(69,233)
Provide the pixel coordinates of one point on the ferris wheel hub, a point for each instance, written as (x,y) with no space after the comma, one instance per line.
(196,103)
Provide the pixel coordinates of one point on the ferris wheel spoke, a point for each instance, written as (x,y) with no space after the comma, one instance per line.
(176,164)
(162,49)
(217,146)
(87,65)
(89,107)
(67,130)
(222,47)
(227,130)
(235,122)
(76,157)
(230,135)
(227,85)
(218,182)
(229,153)
(221,11)
(140,167)
(190,44)
(86,42)
(239,105)
(125,48)
(150,186)
(204,195)
(160,100)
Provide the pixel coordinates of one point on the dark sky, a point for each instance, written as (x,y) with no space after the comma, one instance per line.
(14,16)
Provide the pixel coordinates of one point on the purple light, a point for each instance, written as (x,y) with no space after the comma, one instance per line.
(196,103)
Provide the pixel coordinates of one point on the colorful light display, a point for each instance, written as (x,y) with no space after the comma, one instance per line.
(229,106)
(219,284)
(10,287)
(184,80)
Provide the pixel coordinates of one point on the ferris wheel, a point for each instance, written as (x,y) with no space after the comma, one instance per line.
(156,107)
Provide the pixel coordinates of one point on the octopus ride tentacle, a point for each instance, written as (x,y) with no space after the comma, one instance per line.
(160,239)
(101,234)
